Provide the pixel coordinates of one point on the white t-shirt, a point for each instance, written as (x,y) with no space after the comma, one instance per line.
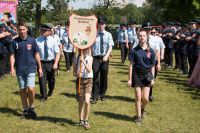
(160,42)
(85,73)
(154,43)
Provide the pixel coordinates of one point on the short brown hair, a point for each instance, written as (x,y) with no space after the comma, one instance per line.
(22,24)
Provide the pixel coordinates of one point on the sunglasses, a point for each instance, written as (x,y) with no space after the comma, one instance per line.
(45,29)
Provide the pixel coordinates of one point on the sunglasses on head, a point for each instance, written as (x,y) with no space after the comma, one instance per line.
(45,29)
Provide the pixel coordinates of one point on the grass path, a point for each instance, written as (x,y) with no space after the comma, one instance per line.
(176,107)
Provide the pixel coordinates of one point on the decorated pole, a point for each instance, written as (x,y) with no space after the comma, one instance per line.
(82,34)
(80,71)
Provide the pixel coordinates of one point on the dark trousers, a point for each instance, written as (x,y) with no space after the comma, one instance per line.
(191,61)
(177,58)
(155,75)
(68,59)
(178,62)
(100,70)
(4,59)
(130,47)
(48,75)
(184,63)
(169,56)
(124,52)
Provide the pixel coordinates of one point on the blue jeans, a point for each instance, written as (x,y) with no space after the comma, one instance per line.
(26,80)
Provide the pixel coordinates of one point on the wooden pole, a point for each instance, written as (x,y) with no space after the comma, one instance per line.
(80,72)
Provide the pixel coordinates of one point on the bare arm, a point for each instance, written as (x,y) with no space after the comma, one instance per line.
(15,37)
(88,66)
(162,53)
(127,42)
(12,63)
(55,65)
(158,59)
(153,72)
(37,58)
(2,35)
(130,74)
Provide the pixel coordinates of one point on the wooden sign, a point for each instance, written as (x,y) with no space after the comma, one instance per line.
(82,30)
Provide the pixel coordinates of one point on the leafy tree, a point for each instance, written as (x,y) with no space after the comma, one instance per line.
(177,10)
(30,11)
(58,10)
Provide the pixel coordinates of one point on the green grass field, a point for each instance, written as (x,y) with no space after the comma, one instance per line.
(176,108)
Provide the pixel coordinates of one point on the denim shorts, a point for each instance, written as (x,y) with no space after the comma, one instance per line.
(26,80)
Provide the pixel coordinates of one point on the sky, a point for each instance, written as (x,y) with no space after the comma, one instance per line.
(88,3)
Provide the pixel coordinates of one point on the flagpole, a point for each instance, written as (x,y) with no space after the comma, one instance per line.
(80,71)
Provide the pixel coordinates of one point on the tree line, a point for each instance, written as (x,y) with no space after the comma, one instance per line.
(155,11)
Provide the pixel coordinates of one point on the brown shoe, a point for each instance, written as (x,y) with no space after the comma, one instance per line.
(143,113)
(81,123)
(86,125)
(137,120)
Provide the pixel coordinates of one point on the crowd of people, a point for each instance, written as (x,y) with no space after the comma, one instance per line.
(145,46)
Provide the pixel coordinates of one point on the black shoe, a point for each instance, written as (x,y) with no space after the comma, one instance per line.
(186,73)
(102,98)
(31,113)
(94,101)
(91,99)
(151,98)
(169,66)
(43,99)
(50,93)
(25,113)
(137,120)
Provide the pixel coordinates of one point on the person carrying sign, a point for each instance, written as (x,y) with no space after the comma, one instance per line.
(82,38)
(86,75)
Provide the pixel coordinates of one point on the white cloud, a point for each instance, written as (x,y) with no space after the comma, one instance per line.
(138,2)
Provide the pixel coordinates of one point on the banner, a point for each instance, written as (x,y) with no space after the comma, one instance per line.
(82,30)
(8,10)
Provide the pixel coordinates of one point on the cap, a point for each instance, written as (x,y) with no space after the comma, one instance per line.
(177,23)
(123,24)
(185,26)
(101,20)
(198,21)
(146,26)
(195,21)
(46,27)
(170,23)
(132,22)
